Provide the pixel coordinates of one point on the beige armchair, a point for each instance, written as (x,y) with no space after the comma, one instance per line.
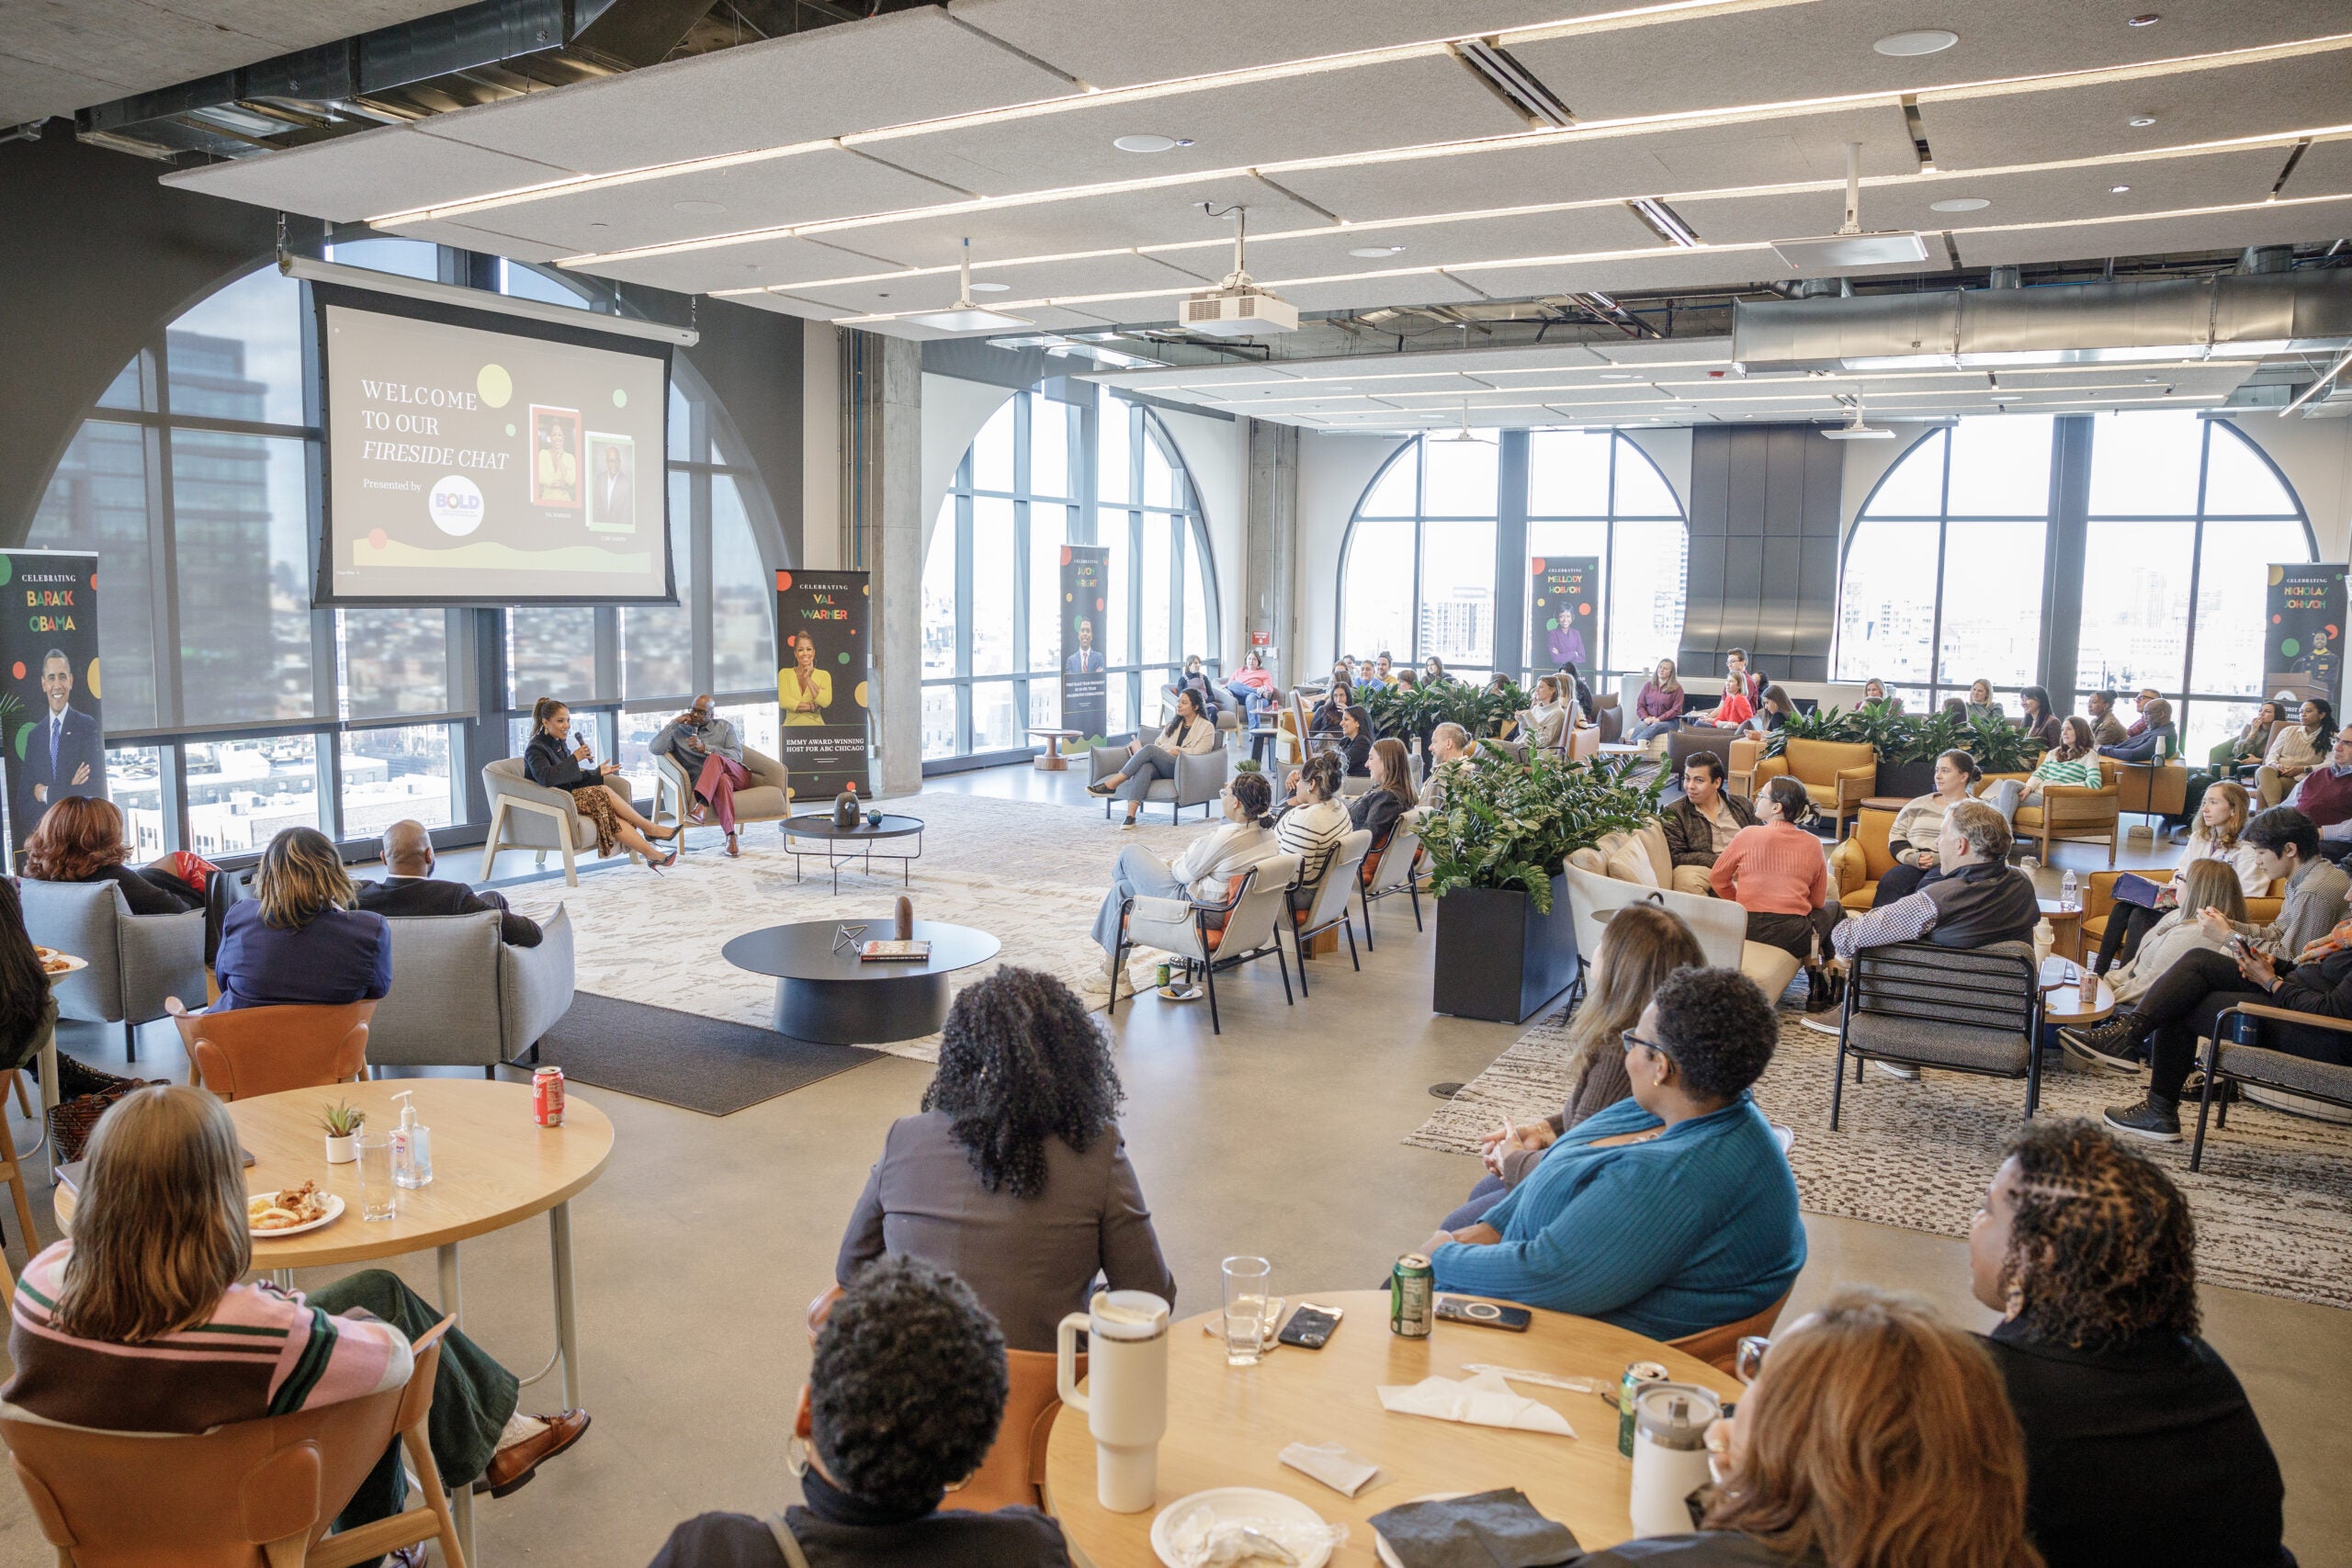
(768,798)
(526,816)
(1838,774)
(2068,813)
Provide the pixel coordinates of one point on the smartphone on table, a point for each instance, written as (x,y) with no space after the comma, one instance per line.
(1311,1327)
(1484,1315)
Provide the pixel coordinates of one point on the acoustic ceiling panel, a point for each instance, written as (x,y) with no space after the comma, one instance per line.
(359,176)
(2281,224)
(1785,150)
(30,90)
(468,237)
(1399,103)
(1576,229)
(910,66)
(2301,91)
(1119,220)
(736,266)
(936,291)
(2324,169)
(1665,270)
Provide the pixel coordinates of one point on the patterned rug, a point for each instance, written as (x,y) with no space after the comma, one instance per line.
(1029,873)
(2273,1203)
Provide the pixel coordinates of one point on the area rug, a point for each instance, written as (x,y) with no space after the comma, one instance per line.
(2273,1203)
(1031,873)
(715,1066)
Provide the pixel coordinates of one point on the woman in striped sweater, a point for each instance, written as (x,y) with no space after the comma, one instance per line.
(138,1323)
(2073,762)
(1315,821)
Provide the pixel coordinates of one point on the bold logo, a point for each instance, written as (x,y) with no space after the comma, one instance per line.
(454,502)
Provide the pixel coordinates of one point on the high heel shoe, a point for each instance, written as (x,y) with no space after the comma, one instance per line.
(664,863)
(661,837)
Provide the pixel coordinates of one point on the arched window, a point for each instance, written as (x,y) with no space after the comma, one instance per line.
(992,571)
(193,479)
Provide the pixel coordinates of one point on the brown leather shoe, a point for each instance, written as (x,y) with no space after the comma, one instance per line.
(734,849)
(511,1468)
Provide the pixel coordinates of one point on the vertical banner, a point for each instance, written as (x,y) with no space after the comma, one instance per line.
(1563,626)
(50,727)
(820,681)
(2303,639)
(1083,597)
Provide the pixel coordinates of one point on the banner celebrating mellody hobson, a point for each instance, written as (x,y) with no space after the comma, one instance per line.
(821,681)
(50,730)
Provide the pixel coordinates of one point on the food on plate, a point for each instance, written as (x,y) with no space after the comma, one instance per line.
(40,952)
(284,1211)
(55,966)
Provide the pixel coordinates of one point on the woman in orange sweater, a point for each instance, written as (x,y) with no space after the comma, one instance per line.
(1777,872)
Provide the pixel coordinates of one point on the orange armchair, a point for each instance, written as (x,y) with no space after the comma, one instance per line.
(1838,774)
(2068,813)
(1859,859)
(2099,898)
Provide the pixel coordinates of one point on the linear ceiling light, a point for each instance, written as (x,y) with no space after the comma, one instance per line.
(312,271)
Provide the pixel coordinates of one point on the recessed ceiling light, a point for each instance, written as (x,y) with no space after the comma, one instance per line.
(1961,204)
(698,207)
(1616,375)
(2142,121)
(2144,19)
(1149,143)
(1927,40)
(1375,253)
(991,287)
(2117,190)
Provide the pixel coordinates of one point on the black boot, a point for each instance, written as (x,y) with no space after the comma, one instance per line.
(2154,1117)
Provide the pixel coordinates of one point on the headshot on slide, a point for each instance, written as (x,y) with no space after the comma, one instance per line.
(1088,659)
(555,456)
(802,689)
(612,483)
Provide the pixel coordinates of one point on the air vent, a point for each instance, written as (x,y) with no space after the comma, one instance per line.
(1514,84)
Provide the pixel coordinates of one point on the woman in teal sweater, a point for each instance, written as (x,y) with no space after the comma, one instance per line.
(1669,1213)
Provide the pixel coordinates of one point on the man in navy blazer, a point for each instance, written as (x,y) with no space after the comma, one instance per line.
(1088,660)
(66,754)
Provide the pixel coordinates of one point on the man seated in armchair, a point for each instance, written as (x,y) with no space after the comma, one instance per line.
(409,888)
(1699,825)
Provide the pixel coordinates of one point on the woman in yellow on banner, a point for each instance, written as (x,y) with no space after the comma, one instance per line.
(804,692)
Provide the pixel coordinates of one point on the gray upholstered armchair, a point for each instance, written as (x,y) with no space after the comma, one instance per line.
(135,960)
(768,797)
(1198,782)
(461,997)
(525,816)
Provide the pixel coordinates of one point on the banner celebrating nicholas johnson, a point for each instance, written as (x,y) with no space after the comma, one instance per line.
(1084,681)
(2303,635)
(1565,628)
(821,668)
(54,742)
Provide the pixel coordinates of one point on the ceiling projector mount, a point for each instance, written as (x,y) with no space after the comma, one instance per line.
(1236,307)
(1852,245)
(1855,430)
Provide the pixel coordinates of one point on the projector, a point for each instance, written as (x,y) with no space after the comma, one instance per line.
(1240,311)
(1882,247)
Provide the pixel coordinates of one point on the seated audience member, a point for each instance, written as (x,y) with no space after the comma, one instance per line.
(2035,719)
(1433,672)
(1981,703)
(1700,824)
(2087,1252)
(1314,821)
(1383,672)
(1975,900)
(1658,709)
(1354,747)
(301,938)
(28,1008)
(2072,761)
(1448,743)
(2156,740)
(1572,686)
(1251,688)
(2325,794)
(1734,711)
(2234,758)
(2295,750)
(136,1324)
(1776,870)
(1640,946)
(1875,1436)
(2205,885)
(1013,1176)
(80,840)
(1956,710)
(1189,734)
(1752,682)
(1772,711)
(553,761)
(2219,835)
(2286,848)
(707,748)
(1874,691)
(1326,717)
(1545,725)
(1913,839)
(2106,729)
(1208,862)
(1672,1234)
(1195,680)
(1391,794)
(905,1392)
(409,888)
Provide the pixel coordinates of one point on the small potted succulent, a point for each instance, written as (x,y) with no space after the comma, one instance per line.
(342,1121)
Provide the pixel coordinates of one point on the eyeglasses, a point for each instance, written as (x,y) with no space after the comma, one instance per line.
(1629,1040)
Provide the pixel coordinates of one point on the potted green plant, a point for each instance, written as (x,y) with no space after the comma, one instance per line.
(1909,770)
(342,1121)
(1498,849)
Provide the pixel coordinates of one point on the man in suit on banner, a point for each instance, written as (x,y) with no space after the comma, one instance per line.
(1085,661)
(616,492)
(66,754)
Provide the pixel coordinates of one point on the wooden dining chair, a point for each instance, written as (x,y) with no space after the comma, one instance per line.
(251,1051)
(1719,1347)
(254,1493)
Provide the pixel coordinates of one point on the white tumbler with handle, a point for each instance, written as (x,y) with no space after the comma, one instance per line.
(1670,1422)
(1125,1404)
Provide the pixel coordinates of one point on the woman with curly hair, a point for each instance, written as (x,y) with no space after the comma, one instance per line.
(2140,1444)
(80,840)
(1875,1436)
(1013,1178)
(904,1396)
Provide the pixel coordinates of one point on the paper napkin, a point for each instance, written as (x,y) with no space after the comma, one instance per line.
(1481,1400)
(1332,1465)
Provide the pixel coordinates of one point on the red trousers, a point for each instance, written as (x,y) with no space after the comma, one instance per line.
(720,781)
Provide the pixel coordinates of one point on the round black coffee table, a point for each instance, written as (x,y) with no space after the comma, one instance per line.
(844,845)
(826,993)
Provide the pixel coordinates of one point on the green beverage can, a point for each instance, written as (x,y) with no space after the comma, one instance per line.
(1411,1284)
(1638,1374)
(1163,976)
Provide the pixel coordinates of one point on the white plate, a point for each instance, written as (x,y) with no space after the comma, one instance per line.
(335,1213)
(72,964)
(1232,1502)
(1380,1542)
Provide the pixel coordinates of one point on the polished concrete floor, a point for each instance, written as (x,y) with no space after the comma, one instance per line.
(705,1239)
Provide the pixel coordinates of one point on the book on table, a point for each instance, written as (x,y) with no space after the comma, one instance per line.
(894,952)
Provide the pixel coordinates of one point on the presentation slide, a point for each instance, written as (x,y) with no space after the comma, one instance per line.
(467,464)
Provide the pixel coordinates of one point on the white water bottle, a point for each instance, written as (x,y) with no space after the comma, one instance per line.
(2066,891)
(1125,1401)
(1670,1422)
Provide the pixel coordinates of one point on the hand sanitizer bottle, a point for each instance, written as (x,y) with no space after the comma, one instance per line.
(411,1147)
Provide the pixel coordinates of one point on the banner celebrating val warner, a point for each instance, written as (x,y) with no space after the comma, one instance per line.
(1564,626)
(821,668)
(1084,568)
(2302,638)
(49,727)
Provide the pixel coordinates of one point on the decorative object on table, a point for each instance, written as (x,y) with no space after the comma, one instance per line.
(847,812)
(1229,1525)
(1125,1404)
(894,952)
(848,936)
(84,1093)
(874,817)
(1482,1399)
(1482,1529)
(1670,1422)
(1334,1466)
(905,931)
(342,1121)
(412,1147)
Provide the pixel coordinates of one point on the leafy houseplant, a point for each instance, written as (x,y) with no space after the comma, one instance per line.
(1513,825)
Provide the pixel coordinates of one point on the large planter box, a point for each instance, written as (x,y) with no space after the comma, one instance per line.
(1907,781)
(1497,957)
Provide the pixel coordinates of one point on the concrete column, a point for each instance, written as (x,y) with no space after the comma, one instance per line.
(1270,547)
(822,394)
(889,407)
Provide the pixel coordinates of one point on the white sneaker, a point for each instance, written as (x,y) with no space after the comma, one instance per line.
(1898,1070)
(1821,1024)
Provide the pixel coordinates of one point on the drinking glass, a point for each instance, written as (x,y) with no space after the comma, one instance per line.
(379,1198)
(1247,1282)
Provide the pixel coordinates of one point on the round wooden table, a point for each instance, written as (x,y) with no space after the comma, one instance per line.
(2087,1000)
(2065,927)
(492,1166)
(1225,1424)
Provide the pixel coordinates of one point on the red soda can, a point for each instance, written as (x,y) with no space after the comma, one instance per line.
(546,1097)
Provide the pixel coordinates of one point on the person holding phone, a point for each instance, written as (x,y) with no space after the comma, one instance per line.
(554,761)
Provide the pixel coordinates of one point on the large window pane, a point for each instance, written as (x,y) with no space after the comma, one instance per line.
(1642,490)
(2000,467)
(239,353)
(1461,478)
(1567,474)
(551,653)
(241,506)
(993,564)
(391,775)
(1049,532)
(658,641)
(638,731)
(241,793)
(529,283)
(1156,564)
(2145,465)
(2239,483)
(2135,605)
(1116,531)
(404,258)
(2233,597)
(992,450)
(1160,484)
(130,388)
(1458,594)
(997,723)
(1645,593)
(939,595)
(742,595)
(1914,486)
(1397,491)
(938,722)
(1112,478)
(1886,608)
(1050,424)
(392,661)
(1376,589)
(1196,603)
(1992,621)
(135,784)
(98,500)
